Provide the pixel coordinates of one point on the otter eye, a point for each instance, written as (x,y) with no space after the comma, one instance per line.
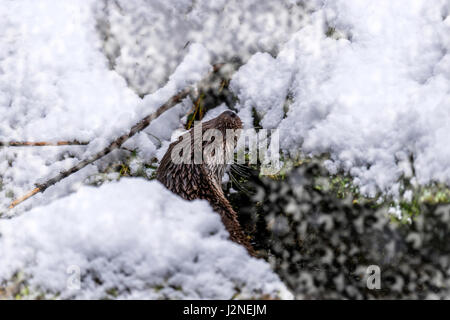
(231,114)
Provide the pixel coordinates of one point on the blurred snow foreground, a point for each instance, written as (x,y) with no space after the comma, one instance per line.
(367,82)
(131,239)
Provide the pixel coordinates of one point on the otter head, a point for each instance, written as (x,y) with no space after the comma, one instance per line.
(220,137)
(207,151)
(228,120)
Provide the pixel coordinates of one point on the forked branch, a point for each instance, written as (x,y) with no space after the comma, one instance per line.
(117,143)
(141,125)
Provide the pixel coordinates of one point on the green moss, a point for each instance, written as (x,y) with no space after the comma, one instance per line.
(123,168)
(113,292)
(342,186)
(330,32)
(9,194)
(434,194)
(158,288)
(335,34)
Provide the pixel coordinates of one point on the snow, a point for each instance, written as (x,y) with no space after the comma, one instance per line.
(143,45)
(54,74)
(371,93)
(263,88)
(367,83)
(56,85)
(134,237)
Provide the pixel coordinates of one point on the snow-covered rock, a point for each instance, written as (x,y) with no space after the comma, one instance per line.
(370,84)
(130,239)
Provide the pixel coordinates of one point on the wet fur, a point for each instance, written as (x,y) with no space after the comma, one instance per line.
(204,181)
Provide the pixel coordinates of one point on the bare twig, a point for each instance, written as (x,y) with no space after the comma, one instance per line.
(141,125)
(42,143)
(25,197)
(113,146)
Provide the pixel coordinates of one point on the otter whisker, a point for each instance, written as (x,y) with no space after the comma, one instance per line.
(241,165)
(238,184)
(240,171)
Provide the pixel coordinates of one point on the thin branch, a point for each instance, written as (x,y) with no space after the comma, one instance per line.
(113,146)
(141,125)
(216,68)
(25,197)
(42,143)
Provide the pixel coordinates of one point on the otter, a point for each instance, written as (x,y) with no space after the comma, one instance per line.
(192,179)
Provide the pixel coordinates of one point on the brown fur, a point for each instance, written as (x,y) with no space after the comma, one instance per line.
(203,181)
